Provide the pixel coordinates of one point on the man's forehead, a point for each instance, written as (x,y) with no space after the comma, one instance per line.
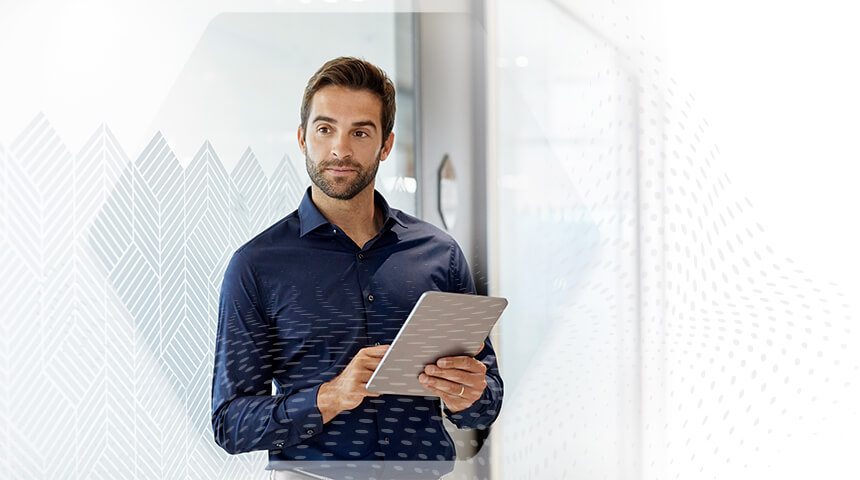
(343,104)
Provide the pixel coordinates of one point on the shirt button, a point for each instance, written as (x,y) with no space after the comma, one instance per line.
(334,230)
(377,344)
(370,298)
(310,432)
(387,440)
(279,444)
(361,256)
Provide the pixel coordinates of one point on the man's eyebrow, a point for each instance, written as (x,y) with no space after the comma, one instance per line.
(321,118)
(362,123)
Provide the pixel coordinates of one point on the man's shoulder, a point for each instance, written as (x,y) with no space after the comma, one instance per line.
(276,235)
(423,228)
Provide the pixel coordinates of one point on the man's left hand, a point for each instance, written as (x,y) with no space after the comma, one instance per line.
(459,381)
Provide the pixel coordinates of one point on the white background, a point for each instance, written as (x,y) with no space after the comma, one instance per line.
(776,82)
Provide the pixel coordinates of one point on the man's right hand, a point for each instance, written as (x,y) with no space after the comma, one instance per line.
(347,390)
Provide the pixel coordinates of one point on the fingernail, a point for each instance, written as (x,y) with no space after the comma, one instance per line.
(444,363)
(430,369)
(422,378)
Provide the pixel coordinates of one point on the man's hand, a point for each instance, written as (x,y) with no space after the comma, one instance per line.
(347,390)
(459,381)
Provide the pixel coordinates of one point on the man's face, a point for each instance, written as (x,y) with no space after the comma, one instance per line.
(343,143)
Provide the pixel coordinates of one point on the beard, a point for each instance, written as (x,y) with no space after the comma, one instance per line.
(341,188)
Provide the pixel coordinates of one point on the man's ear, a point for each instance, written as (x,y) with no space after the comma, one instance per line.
(386,147)
(301,136)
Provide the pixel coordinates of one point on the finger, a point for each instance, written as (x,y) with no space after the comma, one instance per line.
(430,384)
(376,352)
(472,381)
(443,385)
(455,375)
(454,402)
(369,363)
(468,364)
(368,393)
(448,398)
(363,376)
(479,349)
(366,362)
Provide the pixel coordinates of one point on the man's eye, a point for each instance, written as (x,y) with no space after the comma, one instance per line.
(323,129)
(361,134)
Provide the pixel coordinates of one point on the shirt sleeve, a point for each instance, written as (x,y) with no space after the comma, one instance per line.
(245,414)
(486,409)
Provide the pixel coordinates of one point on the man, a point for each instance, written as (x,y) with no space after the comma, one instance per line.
(312,303)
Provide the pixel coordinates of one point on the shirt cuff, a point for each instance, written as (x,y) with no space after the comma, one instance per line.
(304,414)
(470,417)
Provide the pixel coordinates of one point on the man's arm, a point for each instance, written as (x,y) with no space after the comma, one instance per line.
(245,415)
(476,408)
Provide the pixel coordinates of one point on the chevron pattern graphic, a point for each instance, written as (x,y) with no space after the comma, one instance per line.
(111,270)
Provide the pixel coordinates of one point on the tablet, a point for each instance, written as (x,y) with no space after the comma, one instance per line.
(440,325)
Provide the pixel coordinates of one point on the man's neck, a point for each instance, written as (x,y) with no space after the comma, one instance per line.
(357,217)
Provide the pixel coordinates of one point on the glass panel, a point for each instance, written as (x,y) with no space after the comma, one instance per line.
(115,251)
(241,90)
(567,223)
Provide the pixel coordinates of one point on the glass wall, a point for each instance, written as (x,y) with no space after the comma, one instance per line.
(566,250)
(658,327)
(144,147)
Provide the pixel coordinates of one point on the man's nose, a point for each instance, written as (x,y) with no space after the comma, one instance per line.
(341,146)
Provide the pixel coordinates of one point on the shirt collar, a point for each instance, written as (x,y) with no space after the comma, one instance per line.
(310,217)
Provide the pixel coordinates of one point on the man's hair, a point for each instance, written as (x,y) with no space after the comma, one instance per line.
(356,74)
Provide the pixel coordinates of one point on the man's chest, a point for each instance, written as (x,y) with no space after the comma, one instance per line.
(325,305)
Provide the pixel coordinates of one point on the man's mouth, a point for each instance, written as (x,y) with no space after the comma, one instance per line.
(340,170)
(338,167)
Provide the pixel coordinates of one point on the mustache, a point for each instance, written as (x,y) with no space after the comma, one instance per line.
(333,163)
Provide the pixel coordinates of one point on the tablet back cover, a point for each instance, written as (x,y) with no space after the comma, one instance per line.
(440,325)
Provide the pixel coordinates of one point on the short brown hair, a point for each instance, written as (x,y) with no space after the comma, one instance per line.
(356,74)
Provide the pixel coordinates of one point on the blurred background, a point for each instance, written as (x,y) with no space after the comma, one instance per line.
(661,189)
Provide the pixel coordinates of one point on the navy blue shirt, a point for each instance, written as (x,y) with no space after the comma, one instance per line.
(297,303)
